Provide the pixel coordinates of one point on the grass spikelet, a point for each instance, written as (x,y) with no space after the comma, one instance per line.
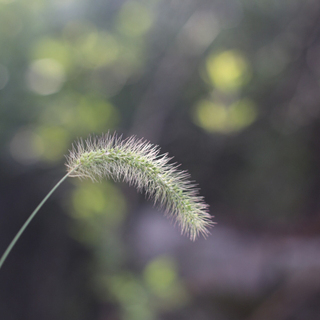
(138,163)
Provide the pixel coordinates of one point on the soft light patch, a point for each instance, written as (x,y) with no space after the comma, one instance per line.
(134,19)
(45,76)
(94,114)
(132,296)
(214,117)
(54,142)
(227,71)
(89,202)
(26,147)
(98,49)
(57,50)
(160,275)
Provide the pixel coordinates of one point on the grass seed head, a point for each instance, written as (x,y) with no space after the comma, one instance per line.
(138,163)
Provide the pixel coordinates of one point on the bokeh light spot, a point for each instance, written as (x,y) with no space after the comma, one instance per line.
(160,274)
(227,71)
(94,114)
(215,117)
(54,141)
(26,147)
(48,48)
(45,76)
(91,200)
(211,116)
(98,49)
(132,295)
(242,114)
(134,19)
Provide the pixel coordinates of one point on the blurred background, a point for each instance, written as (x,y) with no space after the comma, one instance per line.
(230,88)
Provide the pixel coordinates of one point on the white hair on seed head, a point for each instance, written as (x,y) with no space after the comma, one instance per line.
(138,163)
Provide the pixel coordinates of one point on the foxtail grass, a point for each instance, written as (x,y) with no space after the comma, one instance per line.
(140,164)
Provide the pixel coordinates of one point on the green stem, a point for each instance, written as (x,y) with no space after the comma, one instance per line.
(15,239)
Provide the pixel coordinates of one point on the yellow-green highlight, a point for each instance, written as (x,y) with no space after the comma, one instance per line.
(220,118)
(90,200)
(134,19)
(228,70)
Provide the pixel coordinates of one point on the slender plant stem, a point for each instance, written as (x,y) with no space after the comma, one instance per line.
(15,239)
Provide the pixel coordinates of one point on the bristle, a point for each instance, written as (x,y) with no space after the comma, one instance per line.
(138,163)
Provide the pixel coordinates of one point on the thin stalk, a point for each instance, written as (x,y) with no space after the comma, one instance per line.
(16,238)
